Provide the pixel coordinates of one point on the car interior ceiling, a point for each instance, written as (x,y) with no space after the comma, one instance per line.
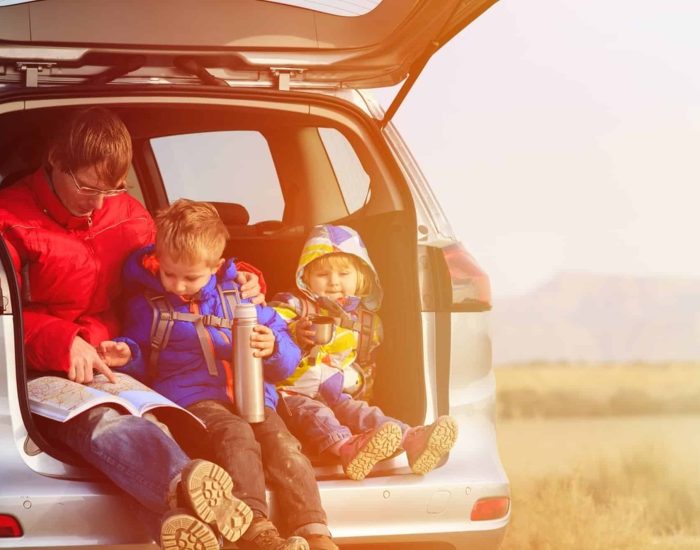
(304,171)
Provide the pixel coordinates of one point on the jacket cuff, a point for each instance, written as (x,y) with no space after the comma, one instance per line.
(271,365)
(136,366)
(134,348)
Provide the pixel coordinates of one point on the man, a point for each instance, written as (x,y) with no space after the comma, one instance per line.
(69,228)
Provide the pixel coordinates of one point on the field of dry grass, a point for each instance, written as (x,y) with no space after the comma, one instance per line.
(601,481)
(554,390)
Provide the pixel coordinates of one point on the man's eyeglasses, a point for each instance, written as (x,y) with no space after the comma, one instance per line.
(92,191)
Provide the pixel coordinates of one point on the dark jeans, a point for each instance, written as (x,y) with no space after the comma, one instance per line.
(255,453)
(132,452)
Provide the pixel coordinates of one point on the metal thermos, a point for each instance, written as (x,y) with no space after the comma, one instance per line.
(247,369)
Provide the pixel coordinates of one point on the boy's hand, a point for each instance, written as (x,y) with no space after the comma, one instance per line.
(303,333)
(114,354)
(84,360)
(250,287)
(262,341)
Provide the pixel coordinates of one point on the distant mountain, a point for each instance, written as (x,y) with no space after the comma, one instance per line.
(590,317)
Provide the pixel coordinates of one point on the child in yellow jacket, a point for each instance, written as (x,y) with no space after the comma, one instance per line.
(326,394)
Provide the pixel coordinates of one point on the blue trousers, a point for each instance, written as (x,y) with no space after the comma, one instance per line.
(319,425)
(134,453)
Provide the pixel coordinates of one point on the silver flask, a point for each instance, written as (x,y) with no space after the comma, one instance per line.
(247,369)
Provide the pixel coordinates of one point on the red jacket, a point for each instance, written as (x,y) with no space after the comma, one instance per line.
(70,267)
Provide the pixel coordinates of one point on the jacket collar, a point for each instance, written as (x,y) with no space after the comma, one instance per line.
(52,206)
(141,272)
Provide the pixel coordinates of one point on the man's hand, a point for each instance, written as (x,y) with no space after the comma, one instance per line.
(114,354)
(84,360)
(250,287)
(303,334)
(262,340)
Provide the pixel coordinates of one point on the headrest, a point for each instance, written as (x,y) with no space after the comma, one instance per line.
(232,213)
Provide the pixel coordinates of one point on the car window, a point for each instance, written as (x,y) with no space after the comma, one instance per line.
(347,8)
(351,176)
(230,166)
(134,186)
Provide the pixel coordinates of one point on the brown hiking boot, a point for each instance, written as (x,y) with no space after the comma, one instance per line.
(427,446)
(206,489)
(321,542)
(180,530)
(263,535)
(361,452)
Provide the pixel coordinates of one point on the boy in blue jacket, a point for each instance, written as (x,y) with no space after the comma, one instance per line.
(180,296)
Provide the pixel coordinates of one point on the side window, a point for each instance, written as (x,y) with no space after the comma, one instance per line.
(231,166)
(134,186)
(351,176)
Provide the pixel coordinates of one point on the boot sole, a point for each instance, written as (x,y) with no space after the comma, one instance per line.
(440,441)
(275,541)
(182,531)
(381,446)
(296,543)
(208,488)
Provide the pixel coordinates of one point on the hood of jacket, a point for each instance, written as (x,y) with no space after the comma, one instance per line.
(329,239)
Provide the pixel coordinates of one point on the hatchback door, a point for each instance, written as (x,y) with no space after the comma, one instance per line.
(253,42)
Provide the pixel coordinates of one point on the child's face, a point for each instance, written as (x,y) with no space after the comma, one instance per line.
(183,277)
(333,282)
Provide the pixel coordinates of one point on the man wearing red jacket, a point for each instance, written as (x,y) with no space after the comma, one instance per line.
(69,228)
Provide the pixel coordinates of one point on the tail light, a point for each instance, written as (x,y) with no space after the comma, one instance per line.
(9,527)
(490,508)
(453,280)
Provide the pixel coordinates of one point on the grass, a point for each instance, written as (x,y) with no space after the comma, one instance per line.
(550,389)
(635,505)
(602,479)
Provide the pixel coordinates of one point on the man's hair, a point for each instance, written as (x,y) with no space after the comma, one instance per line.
(339,261)
(93,137)
(191,231)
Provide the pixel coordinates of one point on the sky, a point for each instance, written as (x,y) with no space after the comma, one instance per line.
(565,135)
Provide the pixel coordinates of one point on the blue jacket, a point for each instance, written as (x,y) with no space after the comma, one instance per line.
(182,370)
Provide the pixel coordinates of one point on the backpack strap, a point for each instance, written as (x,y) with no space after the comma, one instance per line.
(161,326)
(368,322)
(230,298)
(365,326)
(164,318)
(308,307)
(205,344)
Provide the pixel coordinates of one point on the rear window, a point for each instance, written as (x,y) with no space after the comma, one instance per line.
(348,8)
(352,178)
(230,166)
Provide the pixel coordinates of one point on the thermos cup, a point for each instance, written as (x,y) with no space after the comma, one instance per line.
(247,369)
(323,328)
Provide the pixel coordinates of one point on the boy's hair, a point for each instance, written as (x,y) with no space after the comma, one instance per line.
(191,231)
(93,137)
(342,260)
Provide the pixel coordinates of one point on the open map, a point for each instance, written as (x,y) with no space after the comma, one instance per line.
(62,399)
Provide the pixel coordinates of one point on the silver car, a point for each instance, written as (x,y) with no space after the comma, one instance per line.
(261,107)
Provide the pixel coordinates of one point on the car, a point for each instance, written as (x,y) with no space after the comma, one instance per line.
(264,108)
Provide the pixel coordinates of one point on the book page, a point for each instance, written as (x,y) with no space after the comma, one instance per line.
(59,398)
(139,395)
(124,383)
(142,398)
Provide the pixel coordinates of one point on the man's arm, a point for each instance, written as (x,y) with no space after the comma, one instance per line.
(54,344)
